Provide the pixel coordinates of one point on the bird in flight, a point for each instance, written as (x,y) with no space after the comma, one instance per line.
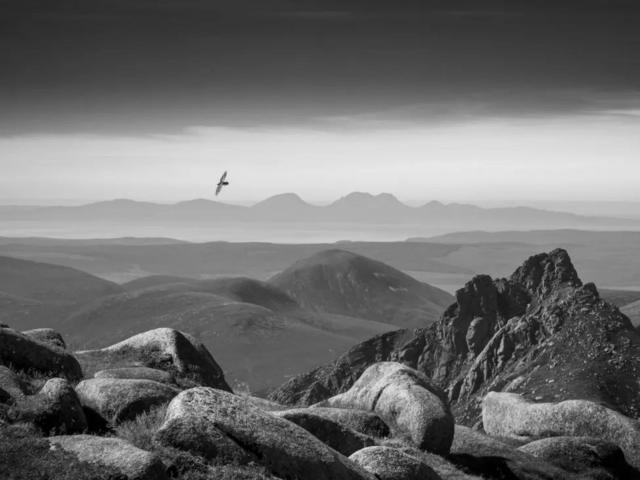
(222,183)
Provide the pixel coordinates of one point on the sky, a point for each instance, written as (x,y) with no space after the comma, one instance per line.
(458,100)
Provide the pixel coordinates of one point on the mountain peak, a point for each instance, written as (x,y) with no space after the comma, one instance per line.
(365,198)
(282,200)
(545,272)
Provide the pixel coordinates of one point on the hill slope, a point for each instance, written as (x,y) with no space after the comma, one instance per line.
(337,281)
(541,333)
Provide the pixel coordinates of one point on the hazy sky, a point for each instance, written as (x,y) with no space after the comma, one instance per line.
(457,100)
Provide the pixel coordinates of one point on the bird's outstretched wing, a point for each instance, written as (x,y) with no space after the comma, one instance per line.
(218,188)
(223,177)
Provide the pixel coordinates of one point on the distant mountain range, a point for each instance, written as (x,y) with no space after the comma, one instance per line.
(356,207)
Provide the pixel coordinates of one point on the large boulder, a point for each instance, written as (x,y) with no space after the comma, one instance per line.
(163,348)
(339,437)
(281,446)
(481,454)
(25,353)
(412,406)
(367,423)
(510,415)
(48,336)
(118,399)
(391,464)
(138,373)
(113,453)
(587,456)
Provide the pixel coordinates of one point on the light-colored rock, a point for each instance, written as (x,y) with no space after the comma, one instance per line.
(48,336)
(137,373)
(119,399)
(281,446)
(134,463)
(407,401)
(163,348)
(339,437)
(391,464)
(587,456)
(442,466)
(25,353)
(367,423)
(510,415)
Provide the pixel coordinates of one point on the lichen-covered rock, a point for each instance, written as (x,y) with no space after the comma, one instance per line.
(25,353)
(510,415)
(164,349)
(407,401)
(587,456)
(115,453)
(48,336)
(339,437)
(137,373)
(119,399)
(392,464)
(281,446)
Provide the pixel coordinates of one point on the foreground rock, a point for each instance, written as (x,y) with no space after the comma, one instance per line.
(406,400)
(48,336)
(25,353)
(392,464)
(284,448)
(339,437)
(138,373)
(510,415)
(114,453)
(116,399)
(367,423)
(485,455)
(587,456)
(164,349)
(10,382)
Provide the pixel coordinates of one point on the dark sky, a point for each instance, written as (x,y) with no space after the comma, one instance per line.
(145,66)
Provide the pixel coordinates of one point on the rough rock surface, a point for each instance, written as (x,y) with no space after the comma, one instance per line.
(587,456)
(25,353)
(367,423)
(163,348)
(510,415)
(48,336)
(543,334)
(284,448)
(406,400)
(339,437)
(391,464)
(119,399)
(56,408)
(138,373)
(118,454)
(485,455)
(10,382)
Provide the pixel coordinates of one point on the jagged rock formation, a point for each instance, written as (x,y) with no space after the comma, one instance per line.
(541,333)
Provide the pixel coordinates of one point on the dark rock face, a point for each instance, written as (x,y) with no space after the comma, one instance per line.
(541,333)
(25,353)
(48,336)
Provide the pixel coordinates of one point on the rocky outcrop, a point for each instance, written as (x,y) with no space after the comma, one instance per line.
(24,353)
(137,373)
(281,446)
(510,415)
(367,423)
(406,400)
(117,399)
(391,464)
(587,456)
(48,336)
(164,349)
(114,453)
(339,437)
(540,333)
